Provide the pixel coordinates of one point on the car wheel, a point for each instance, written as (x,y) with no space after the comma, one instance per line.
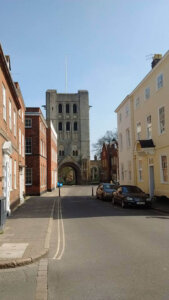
(122,203)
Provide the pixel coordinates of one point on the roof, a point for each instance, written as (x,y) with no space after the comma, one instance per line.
(146,143)
(9,78)
(142,81)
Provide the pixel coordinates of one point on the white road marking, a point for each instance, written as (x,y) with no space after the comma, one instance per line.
(61,234)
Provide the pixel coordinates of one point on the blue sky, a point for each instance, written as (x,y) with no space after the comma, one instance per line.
(106,43)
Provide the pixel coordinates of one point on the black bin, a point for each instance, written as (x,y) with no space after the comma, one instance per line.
(2,212)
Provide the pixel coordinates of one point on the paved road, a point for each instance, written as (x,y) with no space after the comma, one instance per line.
(98,252)
(109,253)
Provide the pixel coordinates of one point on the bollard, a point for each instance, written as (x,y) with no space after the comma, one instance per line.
(92,192)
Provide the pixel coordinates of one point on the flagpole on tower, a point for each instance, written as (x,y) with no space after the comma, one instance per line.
(66,74)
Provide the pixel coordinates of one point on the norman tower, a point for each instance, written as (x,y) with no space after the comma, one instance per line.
(70,116)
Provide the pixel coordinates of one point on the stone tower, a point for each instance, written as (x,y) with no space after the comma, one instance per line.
(70,116)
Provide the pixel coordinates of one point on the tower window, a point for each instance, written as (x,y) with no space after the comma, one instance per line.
(67,126)
(60,126)
(74,108)
(67,108)
(60,108)
(75,126)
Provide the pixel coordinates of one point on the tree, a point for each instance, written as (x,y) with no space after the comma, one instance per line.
(107,138)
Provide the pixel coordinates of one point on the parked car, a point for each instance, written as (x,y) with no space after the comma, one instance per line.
(130,195)
(105,191)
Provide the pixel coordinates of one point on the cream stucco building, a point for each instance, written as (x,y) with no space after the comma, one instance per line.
(143,130)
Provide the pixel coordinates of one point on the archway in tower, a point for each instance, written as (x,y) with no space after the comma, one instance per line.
(69,174)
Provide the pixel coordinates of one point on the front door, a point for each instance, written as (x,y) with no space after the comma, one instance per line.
(151,181)
(21,179)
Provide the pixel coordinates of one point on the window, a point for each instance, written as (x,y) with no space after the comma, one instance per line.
(19,141)
(61,150)
(60,108)
(164,168)
(60,126)
(10,172)
(28,146)
(120,117)
(67,126)
(14,174)
(147,93)
(137,102)
(128,137)
(129,170)
(75,126)
(127,110)
(149,128)
(138,131)
(67,108)
(4,102)
(140,170)
(22,117)
(28,123)
(75,153)
(41,147)
(10,114)
(28,176)
(161,120)
(122,171)
(120,142)
(61,153)
(74,108)
(23,145)
(159,81)
(14,122)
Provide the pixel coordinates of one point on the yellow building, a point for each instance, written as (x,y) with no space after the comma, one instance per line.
(143,131)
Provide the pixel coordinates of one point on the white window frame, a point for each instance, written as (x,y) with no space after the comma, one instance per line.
(4,101)
(122,171)
(10,115)
(121,141)
(28,123)
(23,145)
(14,122)
(161,169)
(149,125)
(161,132)
(20,145)
(129,170)
(30,183)
(140,170)
(15,174)
(28,153)
(128,141)
(160,81)
(137,102)
(127,110)
(10,172)
(147,93)
(22,117)
(138,133)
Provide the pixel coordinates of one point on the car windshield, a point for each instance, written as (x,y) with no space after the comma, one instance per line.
(109,186)
(131,189)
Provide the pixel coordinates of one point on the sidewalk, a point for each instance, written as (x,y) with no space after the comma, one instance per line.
(161,204)
(27,232)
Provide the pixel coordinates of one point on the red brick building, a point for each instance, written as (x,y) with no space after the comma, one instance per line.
(35,151)
(52,167)
(11,161)
(109,162)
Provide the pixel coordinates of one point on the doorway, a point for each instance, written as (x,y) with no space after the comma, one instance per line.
(151,181)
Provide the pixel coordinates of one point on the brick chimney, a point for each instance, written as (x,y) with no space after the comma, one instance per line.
(156,59)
